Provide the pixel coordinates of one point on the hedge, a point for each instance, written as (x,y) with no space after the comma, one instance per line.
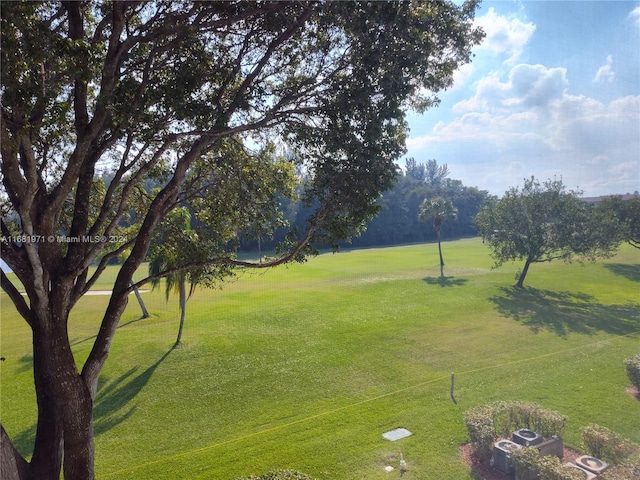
(607,445)
(530,465)
(633,370)
(487,423)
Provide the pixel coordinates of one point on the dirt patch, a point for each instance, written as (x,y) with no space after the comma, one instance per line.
(482,471)
(634,392)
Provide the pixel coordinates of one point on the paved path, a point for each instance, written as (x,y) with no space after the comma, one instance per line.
(99,292)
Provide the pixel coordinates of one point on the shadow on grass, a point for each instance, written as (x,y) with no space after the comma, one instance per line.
(112,400)
(78,342)
(443,281)
(566,312)
(26,364)
(135,320)
(632,272)
(110,407)
(23,441)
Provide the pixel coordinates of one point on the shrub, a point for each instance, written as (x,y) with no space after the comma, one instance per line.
(525,461)
(530,465)
(607,445)
(511,416)
(621,473)
(487,423)
(280,475)
(550,468)
(630,469)
(479,422)
(633,370)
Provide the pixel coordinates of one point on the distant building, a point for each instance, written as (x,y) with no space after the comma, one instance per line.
(625,197)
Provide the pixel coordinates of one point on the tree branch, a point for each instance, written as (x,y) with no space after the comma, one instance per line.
(277,42)
(16,298)
(288,257)
(87,132)
(122,285)
(76,32)
(11,462)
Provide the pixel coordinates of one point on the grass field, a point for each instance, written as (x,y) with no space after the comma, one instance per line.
(304,367)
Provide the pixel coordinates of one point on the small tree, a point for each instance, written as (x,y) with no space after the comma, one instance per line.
(438,209)
(545,222)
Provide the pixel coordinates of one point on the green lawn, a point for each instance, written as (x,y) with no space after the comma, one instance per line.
(304,367)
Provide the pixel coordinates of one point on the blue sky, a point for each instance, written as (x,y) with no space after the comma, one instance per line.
(553,92)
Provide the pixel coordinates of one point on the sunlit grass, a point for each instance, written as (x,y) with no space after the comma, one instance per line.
(305,366)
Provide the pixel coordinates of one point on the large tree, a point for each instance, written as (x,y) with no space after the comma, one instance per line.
(544,222)
(139,90)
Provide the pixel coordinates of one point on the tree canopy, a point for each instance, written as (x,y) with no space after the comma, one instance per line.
(544,222)
(188,94)
(628,213)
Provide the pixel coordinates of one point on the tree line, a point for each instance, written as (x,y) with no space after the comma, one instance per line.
(398,221)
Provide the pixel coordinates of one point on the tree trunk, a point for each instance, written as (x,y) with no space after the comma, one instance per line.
(46,461)
(65,428)
(182,293)
(523,274)
(77,415)
(145,312)
(12,465)
(440,251)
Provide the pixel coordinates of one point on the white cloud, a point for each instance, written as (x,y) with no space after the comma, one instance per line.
(517,115)
(528,86)
(635,15)
(505,36)
(606,130)
(605,73)
(528,125)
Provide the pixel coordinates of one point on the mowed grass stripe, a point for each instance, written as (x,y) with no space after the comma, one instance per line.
(458,375)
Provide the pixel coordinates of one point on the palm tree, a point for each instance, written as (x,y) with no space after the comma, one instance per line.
(167,251)
(145,312)
(176,282)
(438,209)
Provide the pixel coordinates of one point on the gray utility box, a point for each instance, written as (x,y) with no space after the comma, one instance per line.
(553,446)
(502,456)
(592,464)
(526,437)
